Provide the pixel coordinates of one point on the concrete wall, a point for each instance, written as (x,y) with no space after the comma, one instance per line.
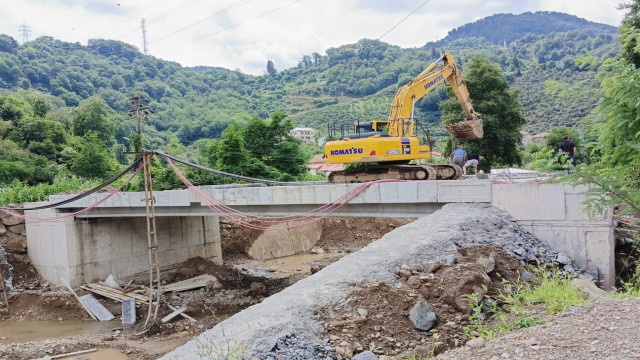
(555,215)
(88,250)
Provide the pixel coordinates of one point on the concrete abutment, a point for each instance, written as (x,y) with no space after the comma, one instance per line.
(88,250)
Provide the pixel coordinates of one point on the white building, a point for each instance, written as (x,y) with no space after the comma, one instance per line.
(303,133)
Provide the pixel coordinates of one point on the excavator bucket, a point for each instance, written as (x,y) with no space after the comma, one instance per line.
(466,129)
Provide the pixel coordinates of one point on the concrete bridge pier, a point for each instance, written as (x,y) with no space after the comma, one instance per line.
(86,250)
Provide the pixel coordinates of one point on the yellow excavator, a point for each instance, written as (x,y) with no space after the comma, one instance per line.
(394,148)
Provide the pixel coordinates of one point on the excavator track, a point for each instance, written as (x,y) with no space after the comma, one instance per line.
(397,172)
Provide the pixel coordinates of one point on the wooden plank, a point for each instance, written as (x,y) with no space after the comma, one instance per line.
(72,354)
(104,293)
(193,283)
(77,298)
(182,314)
(175,313)
(113,293)
(96,308)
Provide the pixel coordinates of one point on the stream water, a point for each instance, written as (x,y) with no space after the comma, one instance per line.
(294,264)
(25,331)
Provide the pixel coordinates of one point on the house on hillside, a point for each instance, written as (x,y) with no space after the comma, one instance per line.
(303,133)
(536,139)
(527,138)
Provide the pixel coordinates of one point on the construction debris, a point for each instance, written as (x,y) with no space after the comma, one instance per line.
(77,298)
(129,311)
(68,354)
(115,294)
(193,283)
(111,281)
(96,308)
(182,314)
(175,313)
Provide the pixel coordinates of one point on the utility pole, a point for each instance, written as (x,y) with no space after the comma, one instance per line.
(143,25)
(25,30)
(141,110)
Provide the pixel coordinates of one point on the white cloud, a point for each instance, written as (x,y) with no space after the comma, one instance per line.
(248,33)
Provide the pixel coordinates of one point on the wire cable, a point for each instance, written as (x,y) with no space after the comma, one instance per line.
(223,173)
(82,195)
(216,14)
(249,221)
(56,218)
(129,19)
(405,18)
(229,27)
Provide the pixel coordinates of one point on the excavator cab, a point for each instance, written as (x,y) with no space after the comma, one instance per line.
(366,129)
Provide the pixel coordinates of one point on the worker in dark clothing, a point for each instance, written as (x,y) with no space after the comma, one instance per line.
(567,146)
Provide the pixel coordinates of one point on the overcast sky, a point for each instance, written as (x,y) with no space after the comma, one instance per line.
(245,34)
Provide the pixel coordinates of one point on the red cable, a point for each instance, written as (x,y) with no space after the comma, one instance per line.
(316,214)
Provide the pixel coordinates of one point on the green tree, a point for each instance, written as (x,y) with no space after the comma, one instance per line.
(93,115)
(271,69)
(93,159)
(499,109)
(230,153)
(617,123)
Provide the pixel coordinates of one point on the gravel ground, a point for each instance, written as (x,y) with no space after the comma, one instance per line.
(604,329)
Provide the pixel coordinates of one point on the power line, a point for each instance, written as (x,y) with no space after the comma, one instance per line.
(172,10)
(244,22)
(161,16)
(217,13)
(128,19)
(232,26)
(401,21)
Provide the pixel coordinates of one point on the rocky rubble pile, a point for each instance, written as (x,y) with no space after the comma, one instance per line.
(521,244)
(292,347)
(425,313)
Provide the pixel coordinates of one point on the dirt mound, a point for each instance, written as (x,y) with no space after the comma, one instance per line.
(344,234)
(349,234)
(36,305)
(236,239)
(375,316)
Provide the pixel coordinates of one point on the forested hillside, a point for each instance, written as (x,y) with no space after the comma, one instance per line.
(47,85)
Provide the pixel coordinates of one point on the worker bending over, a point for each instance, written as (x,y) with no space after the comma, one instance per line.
(473,161)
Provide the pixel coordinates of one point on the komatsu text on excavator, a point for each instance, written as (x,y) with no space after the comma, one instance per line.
(394,148)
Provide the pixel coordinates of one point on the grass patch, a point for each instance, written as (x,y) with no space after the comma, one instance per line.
(548,291)
(417,357)
(18,193)
(631,288)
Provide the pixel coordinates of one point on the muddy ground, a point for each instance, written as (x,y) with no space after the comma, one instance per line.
(40,305)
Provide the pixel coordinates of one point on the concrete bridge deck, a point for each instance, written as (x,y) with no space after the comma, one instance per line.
(101,242)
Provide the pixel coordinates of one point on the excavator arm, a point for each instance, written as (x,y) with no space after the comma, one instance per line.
(401,122)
